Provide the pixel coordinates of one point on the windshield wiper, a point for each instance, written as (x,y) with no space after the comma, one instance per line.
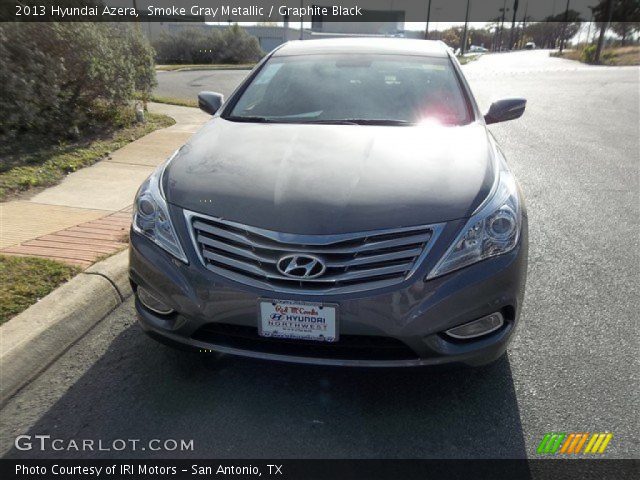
(380,121)
(331,122)
(362,121)
(249,119)
(336,121)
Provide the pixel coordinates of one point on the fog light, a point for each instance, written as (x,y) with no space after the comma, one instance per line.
(152,303)
(477,328)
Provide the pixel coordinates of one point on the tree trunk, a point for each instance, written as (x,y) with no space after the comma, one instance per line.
(513,24)
(603,29)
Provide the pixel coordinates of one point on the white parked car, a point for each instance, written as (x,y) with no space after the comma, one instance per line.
(477,49)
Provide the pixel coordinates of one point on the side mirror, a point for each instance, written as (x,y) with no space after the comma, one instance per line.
(210,102)
(506,109)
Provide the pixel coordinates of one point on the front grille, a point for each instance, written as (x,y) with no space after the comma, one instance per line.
(354,262)
(348,347)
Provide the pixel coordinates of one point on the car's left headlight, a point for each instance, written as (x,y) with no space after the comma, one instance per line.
(151,214)
(493,230)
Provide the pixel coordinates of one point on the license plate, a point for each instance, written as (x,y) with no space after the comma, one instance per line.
(298,320)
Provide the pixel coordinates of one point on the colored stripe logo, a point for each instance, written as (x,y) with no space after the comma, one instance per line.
(573,443)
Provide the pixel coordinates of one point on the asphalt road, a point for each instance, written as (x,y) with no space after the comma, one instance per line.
(572,367)
(187,84)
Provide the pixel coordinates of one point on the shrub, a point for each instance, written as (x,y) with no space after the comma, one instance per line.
(588,54)
(62,77)
(195,46)
(238,46)
(184,46)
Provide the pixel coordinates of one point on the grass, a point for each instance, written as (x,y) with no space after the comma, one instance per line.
(619,56)
(175,101)
(29,167)
(205,66)
(25,280)
(467,59)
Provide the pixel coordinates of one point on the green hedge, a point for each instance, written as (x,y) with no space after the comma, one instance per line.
(59,78)
(195,46)
(588,54)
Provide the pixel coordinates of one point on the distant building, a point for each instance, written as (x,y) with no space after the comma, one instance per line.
(373,22)
(154,29)
(269,36)
(380,18)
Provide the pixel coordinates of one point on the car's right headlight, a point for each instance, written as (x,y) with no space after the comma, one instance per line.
(151,214)
(493,230)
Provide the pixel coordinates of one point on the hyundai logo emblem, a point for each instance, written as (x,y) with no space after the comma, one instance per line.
(303,267)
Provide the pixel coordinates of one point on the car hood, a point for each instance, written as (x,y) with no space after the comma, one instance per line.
(329,179)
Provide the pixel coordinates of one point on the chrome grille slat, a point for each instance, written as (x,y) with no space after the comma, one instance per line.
(354,262)
(302,248)
(220,233)
(346,263)
(233,249)
(293,288)
(233,263)
(351,275)
(376,258)
(373,272)
(412,240)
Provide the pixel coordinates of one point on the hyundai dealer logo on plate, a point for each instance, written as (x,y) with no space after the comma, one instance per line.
(298,320)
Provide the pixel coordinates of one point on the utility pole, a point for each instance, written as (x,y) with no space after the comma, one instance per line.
(564,26)
(137,22)
(603,29)
(426,32)
(504,9)
(513,24)
(494,38)
(301,18)
(524,23)
(285,29)
(463,47)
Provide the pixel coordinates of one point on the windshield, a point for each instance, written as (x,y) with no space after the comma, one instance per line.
(369,89)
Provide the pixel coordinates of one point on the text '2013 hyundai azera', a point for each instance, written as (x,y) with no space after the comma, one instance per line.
(346,206)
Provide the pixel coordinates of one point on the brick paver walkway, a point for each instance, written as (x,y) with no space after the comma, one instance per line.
(87,216)
(81,244)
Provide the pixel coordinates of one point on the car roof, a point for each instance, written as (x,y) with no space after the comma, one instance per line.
(397,46)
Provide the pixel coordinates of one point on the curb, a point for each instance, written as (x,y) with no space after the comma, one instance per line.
(34,339)
(202,68)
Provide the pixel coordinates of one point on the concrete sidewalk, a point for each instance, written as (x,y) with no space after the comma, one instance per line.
(88,214)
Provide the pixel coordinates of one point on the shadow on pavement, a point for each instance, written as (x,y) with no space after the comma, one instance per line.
(232,407)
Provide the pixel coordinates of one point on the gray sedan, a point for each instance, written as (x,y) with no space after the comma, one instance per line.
(345,206)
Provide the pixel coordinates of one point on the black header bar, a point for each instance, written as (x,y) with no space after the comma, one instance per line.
(307,10)
(583,469)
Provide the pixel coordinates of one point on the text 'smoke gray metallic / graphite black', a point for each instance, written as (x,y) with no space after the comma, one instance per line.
(345,206)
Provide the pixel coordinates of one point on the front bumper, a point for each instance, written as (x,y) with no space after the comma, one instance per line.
(396,327)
